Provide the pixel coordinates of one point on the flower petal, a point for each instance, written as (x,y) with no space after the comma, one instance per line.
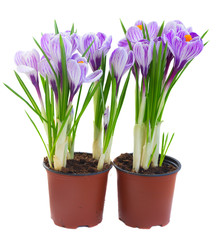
(45,69)
(130,62)
(74,41)
(45,43)
(123,43)
(55,50)
(118,61)
(143,52)
(153,29)
(134,34)
(101,37)
(95,76)
(74,74)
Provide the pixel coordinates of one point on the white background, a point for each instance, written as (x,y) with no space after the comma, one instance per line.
(193,112)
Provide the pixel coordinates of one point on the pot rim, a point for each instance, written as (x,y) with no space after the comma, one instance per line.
(76,174)
(167,159)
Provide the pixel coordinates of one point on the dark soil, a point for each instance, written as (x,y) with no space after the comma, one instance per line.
(82,163)
(125,162)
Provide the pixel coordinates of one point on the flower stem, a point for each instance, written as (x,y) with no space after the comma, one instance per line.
(97,142)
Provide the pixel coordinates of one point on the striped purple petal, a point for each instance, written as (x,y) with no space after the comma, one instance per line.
(45,43)
(74,75)
(101,37)
(74,39)
(27,62)
(95,76)
(134,34)
(186,51)
(129,63)
(120,61)
(153,30)
(46,70)
(106,118)
(176,26)
(183,50)
(143,55)
(100,47)
(55,50)
(123,43)
(117,62)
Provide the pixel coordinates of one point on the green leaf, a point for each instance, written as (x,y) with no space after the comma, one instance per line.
(147,33)
(39,136)
(109,130)
(151,157)
(43,82)
(78,100)
(143,31)
(56,27)
(90,93)
(65,83)
(46,57)
(161,29)
(123,27)
(59,133)
(164,148)
(22,84)
(40,115)
(48,113)
(88,48)
(121,100)
(72,29)
(204,34)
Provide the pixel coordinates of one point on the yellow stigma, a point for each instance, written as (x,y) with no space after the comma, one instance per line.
(80,62)
(188,38)
(140,27)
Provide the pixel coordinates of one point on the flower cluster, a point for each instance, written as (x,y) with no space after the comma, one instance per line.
(147,49)
(154,48)
(64,68)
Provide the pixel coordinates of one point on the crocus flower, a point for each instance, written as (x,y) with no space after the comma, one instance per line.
(27,62)
(135,34)
(50,44)
(120,61)
(106,118)
(46,70)
(184,46)
(143,52)
(99,48)
(177,26)
(77,71)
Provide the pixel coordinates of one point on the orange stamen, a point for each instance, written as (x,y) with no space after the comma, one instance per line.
(80,62)
(140,27)
(188,38)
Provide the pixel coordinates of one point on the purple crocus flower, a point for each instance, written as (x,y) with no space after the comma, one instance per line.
(106,118)
(50,44)
(143,52)
(120,61)
(27,62)
(77,71)
(135,34)
(184,46)
(46,70)
(99,48)
(177,26)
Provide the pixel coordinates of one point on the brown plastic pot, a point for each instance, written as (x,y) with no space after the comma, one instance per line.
(145,200)
(76,199)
